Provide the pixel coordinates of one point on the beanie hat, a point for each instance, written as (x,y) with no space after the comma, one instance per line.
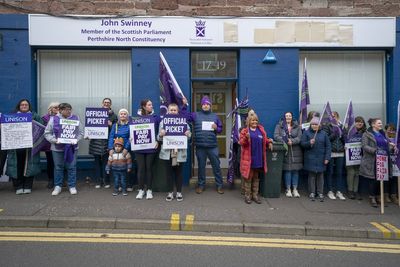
(123,110)
(314,120)
(119,141)
(205,100)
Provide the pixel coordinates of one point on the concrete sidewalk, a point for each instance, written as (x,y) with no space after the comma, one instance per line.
(207,212)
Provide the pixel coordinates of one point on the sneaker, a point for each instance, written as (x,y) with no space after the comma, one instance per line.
(289,193)
(321,197)
(115,193)
(296,193)
(220,190)
(107,186)
(312,197)
(73,191)
(331,195)
(27,191)
(97,186)
(124,193)
(170,196)
(129,189)
(56,191)
(199,190)
(179,196)
(19,191)
(140,194)
(149,194)
(340,196)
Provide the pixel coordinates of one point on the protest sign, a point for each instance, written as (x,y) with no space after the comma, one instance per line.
(142,132)
(382,165)
(16,131)
(175,127)
(96,123)
(69,131)
(353,153)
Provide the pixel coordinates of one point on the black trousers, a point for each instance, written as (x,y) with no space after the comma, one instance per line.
(21,181)
(174,176)
(145,164)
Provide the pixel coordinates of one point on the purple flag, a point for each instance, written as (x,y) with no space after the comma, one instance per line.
(170,92)
(305,96)
(349,122)
(39,142)
(327,117)
(397,140)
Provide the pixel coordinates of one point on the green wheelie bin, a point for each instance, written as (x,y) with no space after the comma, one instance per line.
(270,183)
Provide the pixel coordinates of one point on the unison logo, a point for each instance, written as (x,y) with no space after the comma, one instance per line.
(200,28)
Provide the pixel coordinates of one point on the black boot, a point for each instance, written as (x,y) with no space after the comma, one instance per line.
(373,202)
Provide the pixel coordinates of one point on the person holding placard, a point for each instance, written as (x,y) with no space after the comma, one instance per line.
(52,110)
(99,149)
(63,133)
(373,141)
(145,158)
(175,157)
(22,166)
(353,171)
(391,185)
(317,153)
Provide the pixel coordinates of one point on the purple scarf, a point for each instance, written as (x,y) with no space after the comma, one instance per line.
(69,150)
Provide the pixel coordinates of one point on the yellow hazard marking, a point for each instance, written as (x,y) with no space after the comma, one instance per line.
(199,240)
(189,223)
(393,228)
(1,210)
(175,222)
(386,232)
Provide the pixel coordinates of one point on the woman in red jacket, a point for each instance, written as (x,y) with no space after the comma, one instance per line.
(254,141)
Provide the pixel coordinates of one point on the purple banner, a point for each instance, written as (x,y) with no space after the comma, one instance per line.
(349,122)
(305,96)
(16,117)
(96,117)
(174,125)
(39,142)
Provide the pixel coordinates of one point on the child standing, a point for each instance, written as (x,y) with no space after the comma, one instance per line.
(119,161)
(176,158)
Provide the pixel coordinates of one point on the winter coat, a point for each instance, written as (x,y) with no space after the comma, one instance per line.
(165,154)
(368,161)
(293,160)
(245,154)
(315,155)
(119,130)
(31,163)
(100,146)
(207,139)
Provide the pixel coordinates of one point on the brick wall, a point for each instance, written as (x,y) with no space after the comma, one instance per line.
(206,7)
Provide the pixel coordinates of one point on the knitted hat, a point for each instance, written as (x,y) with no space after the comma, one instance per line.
(205,100)
(119,141)
(123,110)
(314,120)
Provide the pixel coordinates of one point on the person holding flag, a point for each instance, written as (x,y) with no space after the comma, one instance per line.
(289,132)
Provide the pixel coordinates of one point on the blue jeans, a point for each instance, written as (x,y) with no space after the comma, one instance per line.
(335,168)
(59,165)
(212,153)
(119,178)
(291,179)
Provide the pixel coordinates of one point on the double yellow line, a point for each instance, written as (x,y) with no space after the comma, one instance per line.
(175,222)
(387,229)
(199,240)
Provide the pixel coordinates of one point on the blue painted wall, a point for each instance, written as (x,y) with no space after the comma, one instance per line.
(272,88)
(15,63)
(393,76)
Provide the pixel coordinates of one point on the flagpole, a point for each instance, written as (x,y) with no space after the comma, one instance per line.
(347,115)
(169,70)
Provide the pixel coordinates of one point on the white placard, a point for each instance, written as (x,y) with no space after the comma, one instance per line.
(207,126)
(16,131)
(143,136)
(174,142)
(69,131)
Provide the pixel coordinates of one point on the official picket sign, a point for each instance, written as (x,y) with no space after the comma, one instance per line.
(382,165)
(175,127)
(142,131)
(96,123)
(353,153)
(69,131)
(16,131)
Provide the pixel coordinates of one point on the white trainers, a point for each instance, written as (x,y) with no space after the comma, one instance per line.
(331,195)
(19,191)
(140,194)
(288,193)
(149,194)
(56,191)
(296,193)
(73,191)
(170,196)
(97,186)
(340,196)
(27,191)
(179,196)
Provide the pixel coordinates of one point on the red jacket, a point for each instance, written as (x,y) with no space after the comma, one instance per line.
(245,159)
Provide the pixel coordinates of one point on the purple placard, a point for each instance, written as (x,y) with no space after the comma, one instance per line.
(174,125)
(382,165)
(142,131)
(69,131)
(96,117)
(16,117)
